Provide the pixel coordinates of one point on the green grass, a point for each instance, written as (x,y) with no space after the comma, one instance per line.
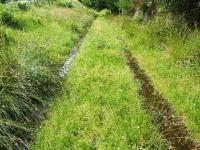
(30,59)
(168,51)
(97,106)
(100,107)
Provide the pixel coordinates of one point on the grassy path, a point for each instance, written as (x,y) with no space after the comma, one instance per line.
(100,108)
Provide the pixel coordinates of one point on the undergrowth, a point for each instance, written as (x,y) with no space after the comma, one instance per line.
(30,59)
(169,52)
(65,4)
(14,16)
(169,34)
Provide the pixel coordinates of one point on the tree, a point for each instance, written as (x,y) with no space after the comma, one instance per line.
(101,4)
(126,6)
(190,10)
(3,1)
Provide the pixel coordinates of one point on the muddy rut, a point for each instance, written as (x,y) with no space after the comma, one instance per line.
(171,127)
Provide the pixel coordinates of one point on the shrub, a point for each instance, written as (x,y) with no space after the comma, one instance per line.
(23,6)
(8,19)
(189,9)
(3,1)
(69,4)
(105,12)
(66,4)
(102,4)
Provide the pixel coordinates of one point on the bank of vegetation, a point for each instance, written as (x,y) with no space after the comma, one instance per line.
(34,43)
(37,36)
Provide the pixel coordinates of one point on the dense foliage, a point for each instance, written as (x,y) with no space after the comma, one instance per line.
(101,4)
(190,10)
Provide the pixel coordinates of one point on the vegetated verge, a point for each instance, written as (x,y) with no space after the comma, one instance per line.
(172,127)
(169,53)
(30,58)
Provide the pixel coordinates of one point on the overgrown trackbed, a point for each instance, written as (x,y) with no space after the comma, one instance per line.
(172,127)
(99,109)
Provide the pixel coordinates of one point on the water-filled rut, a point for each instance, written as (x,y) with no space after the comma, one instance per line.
(170,125)
(73,53)
(66,67)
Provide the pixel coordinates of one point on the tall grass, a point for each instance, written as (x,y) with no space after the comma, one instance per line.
(29,63)
(169,52)
(14,16)
(100,108)
(167,33)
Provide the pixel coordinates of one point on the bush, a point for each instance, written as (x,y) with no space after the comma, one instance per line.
(105,12)
(102,4)
(188,9)
(67,4)
(3,1)
(23,6)
(8,19)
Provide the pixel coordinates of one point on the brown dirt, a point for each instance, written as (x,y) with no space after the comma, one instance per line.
(170,126)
